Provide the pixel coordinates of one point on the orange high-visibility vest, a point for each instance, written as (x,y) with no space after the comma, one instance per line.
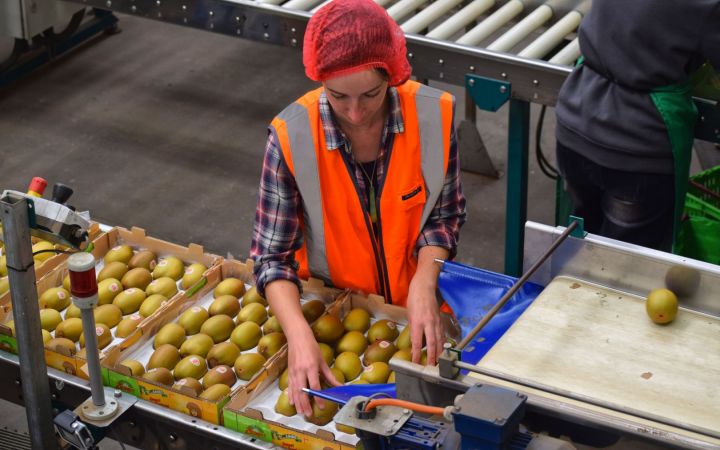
(339,244)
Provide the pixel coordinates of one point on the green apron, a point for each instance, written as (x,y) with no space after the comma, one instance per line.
(677,109)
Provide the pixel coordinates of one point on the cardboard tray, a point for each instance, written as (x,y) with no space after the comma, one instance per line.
(252,414)
(74,364)
(185,400)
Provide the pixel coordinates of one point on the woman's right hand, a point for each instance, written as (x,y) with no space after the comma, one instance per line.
(306,366)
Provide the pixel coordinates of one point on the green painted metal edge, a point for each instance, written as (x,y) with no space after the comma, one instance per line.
(487,93)
(579,231)
(253,427)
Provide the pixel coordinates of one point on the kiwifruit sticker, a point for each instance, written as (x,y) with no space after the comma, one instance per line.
(163,263)
(99,331)
(61,295)
(384,344)
(391,325)
(189,270)
(195,361)
(136,316)
(196,309)
(369,368)
(130,291)
(117,247)
(221,369)
(113,287)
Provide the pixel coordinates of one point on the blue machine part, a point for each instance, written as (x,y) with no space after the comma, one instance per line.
(342,394)
(421,434)
(488,418)
(472,292)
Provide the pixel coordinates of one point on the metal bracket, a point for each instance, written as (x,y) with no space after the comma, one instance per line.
(579,231)
(387,421)
(487,93)
(116,403)
(446,362)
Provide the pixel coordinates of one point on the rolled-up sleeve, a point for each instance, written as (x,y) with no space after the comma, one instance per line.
(276,232)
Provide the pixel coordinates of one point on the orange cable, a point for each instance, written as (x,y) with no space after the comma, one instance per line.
(417,407)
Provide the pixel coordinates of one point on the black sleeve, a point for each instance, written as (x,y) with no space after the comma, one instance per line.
(711,38)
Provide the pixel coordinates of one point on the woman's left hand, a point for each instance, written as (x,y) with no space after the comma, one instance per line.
(424,319)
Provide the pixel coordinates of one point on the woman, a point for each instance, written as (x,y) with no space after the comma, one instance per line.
(360,185)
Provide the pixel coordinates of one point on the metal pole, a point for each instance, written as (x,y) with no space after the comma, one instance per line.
(518,284)
(26,313)
(517,176)
(93,357)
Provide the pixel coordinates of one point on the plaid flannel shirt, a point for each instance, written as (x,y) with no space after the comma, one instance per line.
(277,233)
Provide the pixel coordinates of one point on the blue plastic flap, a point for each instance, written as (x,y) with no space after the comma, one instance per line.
(472,292)
(341,394)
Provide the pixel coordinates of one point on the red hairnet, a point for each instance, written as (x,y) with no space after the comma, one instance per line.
(347,36)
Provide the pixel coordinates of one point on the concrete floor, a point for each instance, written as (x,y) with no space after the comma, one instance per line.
(163,127)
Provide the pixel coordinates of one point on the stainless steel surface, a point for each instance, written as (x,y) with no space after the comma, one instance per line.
(387,421)
(92,355)
(423,384)
(584,399)
(21,272)
(145,425)
(625,267)
(517,285)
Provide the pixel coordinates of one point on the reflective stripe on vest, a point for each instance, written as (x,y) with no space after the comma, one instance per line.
(339,245)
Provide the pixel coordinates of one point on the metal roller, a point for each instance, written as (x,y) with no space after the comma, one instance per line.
(522,29)
(461,19)
(492,23)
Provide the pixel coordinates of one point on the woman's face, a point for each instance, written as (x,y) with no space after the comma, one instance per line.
(357,98)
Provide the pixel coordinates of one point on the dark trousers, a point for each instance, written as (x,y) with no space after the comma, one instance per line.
(627,206)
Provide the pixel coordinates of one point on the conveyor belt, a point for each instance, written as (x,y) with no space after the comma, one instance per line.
(529,43)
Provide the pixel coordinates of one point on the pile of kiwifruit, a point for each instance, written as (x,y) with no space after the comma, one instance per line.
(209,350)
(40,258)
(357,353)
(131,286)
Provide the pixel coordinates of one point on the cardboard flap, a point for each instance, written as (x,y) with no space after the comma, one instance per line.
(253,414)
(195,250)
(137,233)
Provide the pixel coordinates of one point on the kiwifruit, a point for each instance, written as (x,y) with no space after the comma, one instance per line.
(49,319)
(160,375)
(66,282)
(164,286)
(246,335)
(3,266)
(376,373)
(253,296)
(192,319)
(46,336)
(170,333)
(405,354)
(352,341)
(110,315)
(56,343)
(104,336)
(136,369)
(193,366)
(151,304)
(223,354)
(219,375)
(224,304)
(190,383)
(40,246)
(137,278)
(322,416)
(357,320)
(56,298)
(199,344)
(312,310)
(193,274)
(328,329)
(254,312)
(108,289)
(145,259)
(349,365)
(283,406)
(358,381)
(284,379)
(403,341)
(166,356)
(391,378)
(215,393)
(121,253)
(272,326)
(379,351)
(73,311)
(128,325)
(218,327)
(248,364)
(344,428)
(328,353)
(339,375)
(270,344)
(382,330)
(169,266)
(129,300)
(115,270)
(229,286)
